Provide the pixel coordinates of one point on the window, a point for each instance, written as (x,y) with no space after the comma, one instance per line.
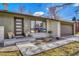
(32,26)
(38,26)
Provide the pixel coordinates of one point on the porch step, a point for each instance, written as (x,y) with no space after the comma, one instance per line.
(20,36)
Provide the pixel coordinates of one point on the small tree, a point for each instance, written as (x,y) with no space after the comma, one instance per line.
(74,19)
(53,11)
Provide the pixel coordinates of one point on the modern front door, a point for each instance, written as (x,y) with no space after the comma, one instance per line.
(18,26)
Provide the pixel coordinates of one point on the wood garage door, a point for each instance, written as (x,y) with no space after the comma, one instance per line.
(66,30)
(18,26)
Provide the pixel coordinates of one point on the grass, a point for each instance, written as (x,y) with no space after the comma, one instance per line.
(77,33)
(10,53)
(70,49)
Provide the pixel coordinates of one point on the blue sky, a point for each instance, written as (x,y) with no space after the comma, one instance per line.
(66,13)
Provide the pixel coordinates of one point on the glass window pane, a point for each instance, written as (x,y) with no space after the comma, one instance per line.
(32,26)
(38,26)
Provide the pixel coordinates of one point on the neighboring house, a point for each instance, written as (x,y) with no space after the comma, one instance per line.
(76,26)
(20,24)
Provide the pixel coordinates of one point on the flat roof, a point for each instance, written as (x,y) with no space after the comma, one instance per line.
(16,13)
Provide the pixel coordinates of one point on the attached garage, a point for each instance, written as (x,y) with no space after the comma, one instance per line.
(67,29)
(60,28)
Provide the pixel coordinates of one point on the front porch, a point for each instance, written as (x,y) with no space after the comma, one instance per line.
(9,42)
(13,41)
(23,45)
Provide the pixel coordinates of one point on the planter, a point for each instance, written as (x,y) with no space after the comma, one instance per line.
(10,35)
(50,33)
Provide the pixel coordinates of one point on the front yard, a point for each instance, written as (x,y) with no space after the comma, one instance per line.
(70,49)
(10,51)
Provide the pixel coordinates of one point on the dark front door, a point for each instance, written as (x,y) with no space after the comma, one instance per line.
(18,26)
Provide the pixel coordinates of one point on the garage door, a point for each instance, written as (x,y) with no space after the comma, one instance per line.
(66,30)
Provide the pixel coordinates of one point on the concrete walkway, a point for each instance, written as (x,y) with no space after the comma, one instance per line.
(8,42)
(31,49)
(9,48)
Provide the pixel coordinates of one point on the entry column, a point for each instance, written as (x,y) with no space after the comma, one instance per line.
(1,36)
(59,29)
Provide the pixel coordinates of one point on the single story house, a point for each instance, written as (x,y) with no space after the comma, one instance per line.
(20,24)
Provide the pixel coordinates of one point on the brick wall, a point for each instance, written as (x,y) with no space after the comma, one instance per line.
(77,26)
